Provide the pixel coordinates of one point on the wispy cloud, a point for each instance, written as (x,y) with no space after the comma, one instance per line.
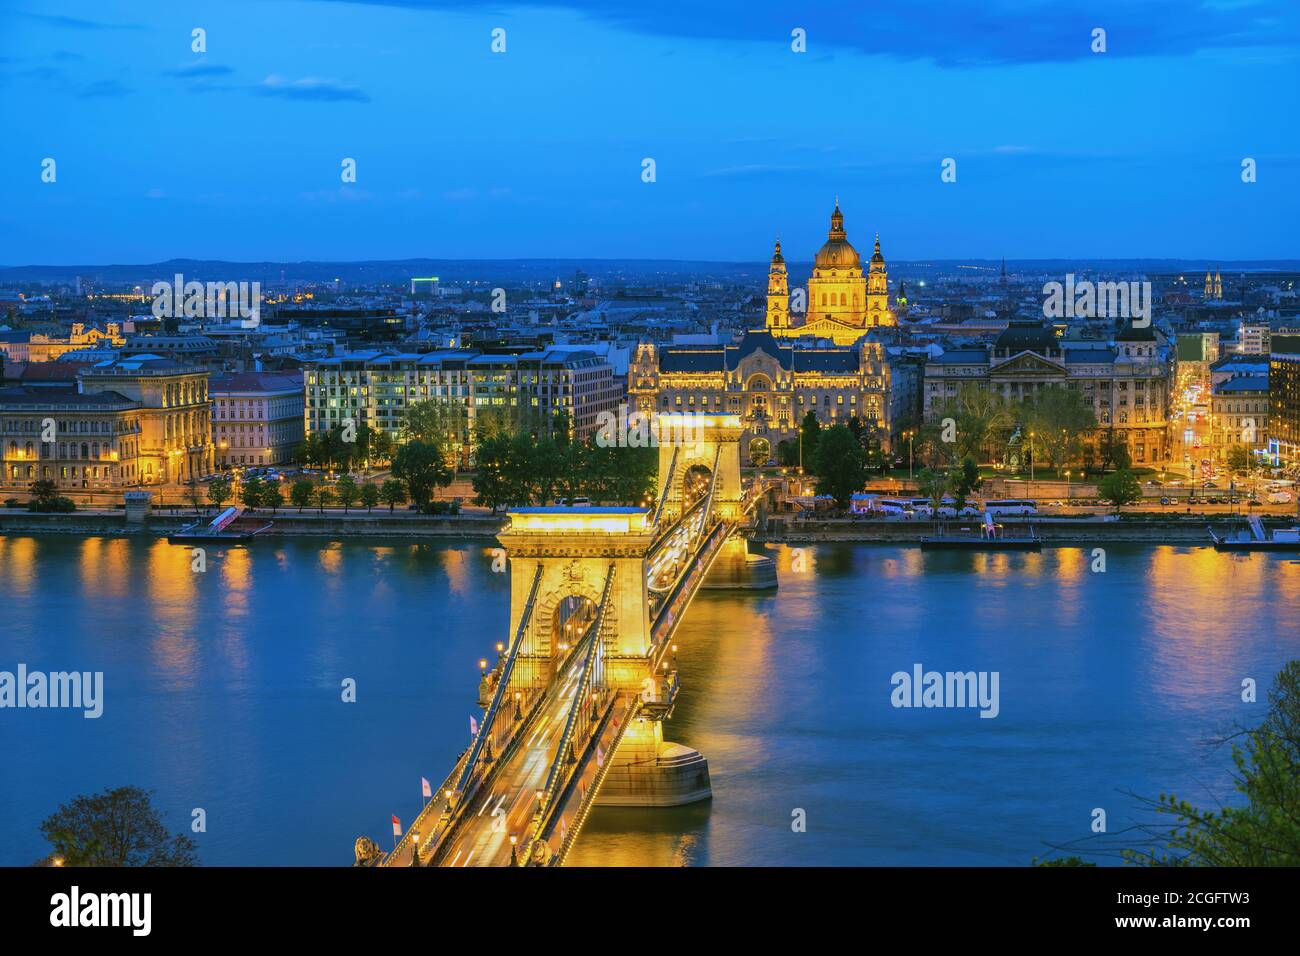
(311,88)
(76,23)
(103,89)
(199,68)
(951,33)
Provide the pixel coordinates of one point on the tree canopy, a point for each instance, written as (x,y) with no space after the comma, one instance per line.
(118,827)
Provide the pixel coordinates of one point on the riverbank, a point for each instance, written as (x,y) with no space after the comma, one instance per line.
(777,530)
(1063,532)
(282,525)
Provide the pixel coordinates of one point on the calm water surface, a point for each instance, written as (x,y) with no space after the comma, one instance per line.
(223,692)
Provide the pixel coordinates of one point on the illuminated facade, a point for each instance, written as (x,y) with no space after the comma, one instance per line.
(843,302)
(128,422)
(767,384)
(1284,398)
(1239,414)
(377,389)
(1124,381)
(40,347)
(256,417)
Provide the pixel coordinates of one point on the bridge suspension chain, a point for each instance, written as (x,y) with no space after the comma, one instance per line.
(579,716)
(489,719)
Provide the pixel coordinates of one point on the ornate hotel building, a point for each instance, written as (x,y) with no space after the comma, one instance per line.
(1125,380)
(769,384)
(128,422)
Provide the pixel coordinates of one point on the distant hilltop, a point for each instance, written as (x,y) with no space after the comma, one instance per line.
(400,271)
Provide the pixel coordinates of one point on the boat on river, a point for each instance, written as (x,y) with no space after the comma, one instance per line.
(1257,538)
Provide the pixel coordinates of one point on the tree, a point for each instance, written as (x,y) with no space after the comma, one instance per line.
(964,482)
(1240,460)
(810,430)
(423,468)
(787,453)
(1057,419)
(934,485)
(46,497)
(929,447)
(301,493)
(981,415)
(521,479)
(547,461)
(252,492)
(115,828)
(841,467)
(347,492)
(393,493)
(491,488)
(435,423)
(574,470)
(272,497)
(632,473)
(1113,450)
(43,490)
(369,495)
(1120,488)
(1264,832)
(219,490)
(324,495)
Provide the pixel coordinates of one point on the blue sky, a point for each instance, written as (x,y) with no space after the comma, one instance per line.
(537,152)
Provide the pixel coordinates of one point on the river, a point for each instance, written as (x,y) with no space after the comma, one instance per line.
(223,691)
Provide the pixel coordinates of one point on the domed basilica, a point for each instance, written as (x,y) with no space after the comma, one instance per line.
(841,302)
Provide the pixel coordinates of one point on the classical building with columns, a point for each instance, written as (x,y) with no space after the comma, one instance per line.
(127,422)
(1124,380)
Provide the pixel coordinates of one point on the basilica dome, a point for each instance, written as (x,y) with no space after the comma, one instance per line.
(837,252)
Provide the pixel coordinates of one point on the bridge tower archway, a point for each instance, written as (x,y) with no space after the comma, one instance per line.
(694,445)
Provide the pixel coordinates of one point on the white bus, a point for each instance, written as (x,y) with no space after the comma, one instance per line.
(922,506)
(894,506)
(948,509)
(1011,506)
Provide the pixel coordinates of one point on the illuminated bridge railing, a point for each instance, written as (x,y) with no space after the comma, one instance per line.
(447,828)
(427,821)
(584,783)
(488,730)
(592,674)
(668,486)
(679,598)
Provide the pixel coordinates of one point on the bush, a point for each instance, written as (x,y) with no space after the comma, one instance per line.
(58,504)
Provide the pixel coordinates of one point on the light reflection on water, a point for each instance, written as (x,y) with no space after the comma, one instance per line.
(223,691)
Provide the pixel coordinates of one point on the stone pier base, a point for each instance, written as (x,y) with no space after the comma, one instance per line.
(650,772)
(736,569)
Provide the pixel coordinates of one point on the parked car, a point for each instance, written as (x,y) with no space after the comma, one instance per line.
(579,502)
(1165,501)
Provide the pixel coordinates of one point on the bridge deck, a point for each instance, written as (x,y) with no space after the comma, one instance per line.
(504,785)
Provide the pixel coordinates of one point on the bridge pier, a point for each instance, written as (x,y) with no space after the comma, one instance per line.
(736,569)
(648,771)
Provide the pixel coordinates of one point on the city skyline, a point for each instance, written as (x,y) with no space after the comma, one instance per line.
(537,152)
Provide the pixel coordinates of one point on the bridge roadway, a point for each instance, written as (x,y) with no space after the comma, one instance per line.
(479,833)
(483,839)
